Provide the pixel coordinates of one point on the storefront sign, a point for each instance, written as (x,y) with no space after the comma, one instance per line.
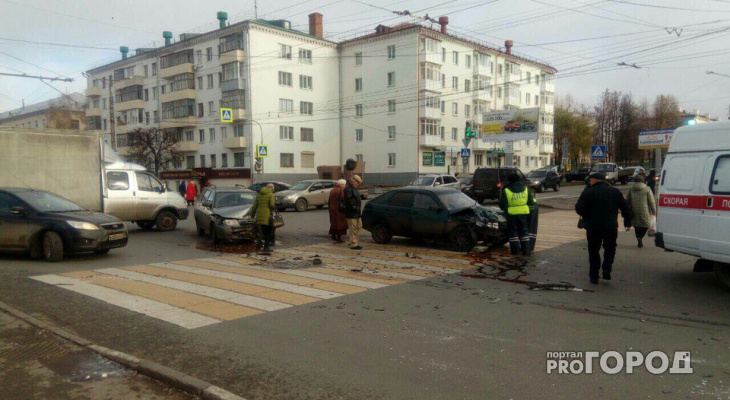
(655,139)
(427,158)
(208,173)
(439,158)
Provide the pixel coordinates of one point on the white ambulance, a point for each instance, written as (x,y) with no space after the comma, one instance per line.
(694,196)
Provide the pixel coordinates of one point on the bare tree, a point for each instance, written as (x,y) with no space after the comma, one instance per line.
(666,111)
(608,121)
(572,123)
(153,149)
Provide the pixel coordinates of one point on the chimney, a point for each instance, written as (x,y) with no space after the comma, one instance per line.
(315,25)
(222,17)
(168,37)
(508,46)
(124,50)
(443,21)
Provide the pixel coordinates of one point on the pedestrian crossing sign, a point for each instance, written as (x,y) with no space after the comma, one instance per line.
(262,151)
(598,152)
(227,115)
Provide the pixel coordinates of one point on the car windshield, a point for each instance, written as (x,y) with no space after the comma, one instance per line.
(455,200)
(466,180)
(48,202)
(301,186)
(604,168)
(233,199)
(537,174)
(256,186)
(423,181)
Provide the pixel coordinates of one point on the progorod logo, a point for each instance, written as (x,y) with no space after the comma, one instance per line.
(613,362)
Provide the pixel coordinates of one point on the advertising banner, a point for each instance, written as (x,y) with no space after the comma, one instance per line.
(439,158)
(427,158)
(510,125)
(655,139)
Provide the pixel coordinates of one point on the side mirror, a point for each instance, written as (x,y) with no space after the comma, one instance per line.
(435,208)
(162,190)
(206,203)
(437,184)
(19,210)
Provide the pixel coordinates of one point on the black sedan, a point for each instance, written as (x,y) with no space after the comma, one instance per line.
(226,213)
(434,213)
(579,174)
(278,186)
(47,225)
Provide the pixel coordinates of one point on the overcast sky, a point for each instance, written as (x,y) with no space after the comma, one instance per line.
(673,47)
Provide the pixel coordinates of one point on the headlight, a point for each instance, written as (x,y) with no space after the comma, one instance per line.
(291,197)
(535,182)
(231,222)
(87,226)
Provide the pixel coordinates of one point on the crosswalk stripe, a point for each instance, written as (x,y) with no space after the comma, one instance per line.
(390,255)
(225,295)
(378,272)
(202,305)
(421,251)
(398,253)
(373,261)
(350,264)
(286,287)
(155,309)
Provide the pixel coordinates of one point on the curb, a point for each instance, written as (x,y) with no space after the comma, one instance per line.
(148,368)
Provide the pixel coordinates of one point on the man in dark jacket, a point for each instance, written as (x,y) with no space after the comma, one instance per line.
(516,201)
(353,205)
(599,205)
(182,189)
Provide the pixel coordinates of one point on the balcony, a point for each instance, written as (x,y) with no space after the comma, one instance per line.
(546,148)
(93,112)
(430,112)
(513,78)
(432,57)
(133,81)
(547,108)
(481,144)
(433,86)
(236,55)
(513,101)
(478,118)
(240,142)
(178,95)
(483,95)
(233,84)
(93,91)
(181,122)
(482,70)
(184,68)
(547,86)
(129,105)
(187,147)
(431,141)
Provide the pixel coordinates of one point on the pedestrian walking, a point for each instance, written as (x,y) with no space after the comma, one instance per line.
(598,206)
(516,200)
(338,222)
(182,189)
(353,212)
(264,207)
(643,208)
(651,181)
(190,192)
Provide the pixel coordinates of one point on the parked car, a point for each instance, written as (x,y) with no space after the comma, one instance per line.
(629,174)
(443,180)
(527,126)
(305,194)
(579,174)
(278,186)
(47,225)
(434,213)
(610,169)
(488,182)
(541,180)
(512,126)
(226,214)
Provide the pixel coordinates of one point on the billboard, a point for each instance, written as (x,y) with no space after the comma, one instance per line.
(509,125)
(655,139)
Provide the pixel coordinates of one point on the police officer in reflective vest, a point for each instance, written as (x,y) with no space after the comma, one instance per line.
(516,201)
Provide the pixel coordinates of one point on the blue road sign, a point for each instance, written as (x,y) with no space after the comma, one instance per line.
(598,151)
(465,153)
(262,151)
(226,115)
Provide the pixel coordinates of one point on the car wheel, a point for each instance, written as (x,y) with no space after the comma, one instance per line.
(320,207)
(381,234)
(214,236)
(722,272)
(540,189)
(462,239)
(166,221)
(52,247)
(101,251)
(201,232)
(301,205)
(557,187)
(146,224)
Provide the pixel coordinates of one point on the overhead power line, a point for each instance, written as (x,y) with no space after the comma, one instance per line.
(667,7)
(42,78)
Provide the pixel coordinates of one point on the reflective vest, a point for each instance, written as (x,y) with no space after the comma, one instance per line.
(517,202)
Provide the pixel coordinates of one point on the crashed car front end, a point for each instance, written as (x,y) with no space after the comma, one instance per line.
(236,224)
(488,224)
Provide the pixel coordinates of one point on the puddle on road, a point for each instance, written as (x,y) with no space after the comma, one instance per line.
(84,366)
(498,266)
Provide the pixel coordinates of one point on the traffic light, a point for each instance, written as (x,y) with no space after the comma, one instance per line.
(469,132)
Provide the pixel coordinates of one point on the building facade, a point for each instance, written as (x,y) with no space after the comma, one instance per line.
(63,112)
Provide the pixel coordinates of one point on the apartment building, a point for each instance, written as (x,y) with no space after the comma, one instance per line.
(63,112)
(408,92)
(281,84)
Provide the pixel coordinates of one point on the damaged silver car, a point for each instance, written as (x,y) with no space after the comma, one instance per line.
(226,214)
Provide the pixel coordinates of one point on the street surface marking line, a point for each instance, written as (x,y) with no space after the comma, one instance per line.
(373,261)
(421,251)
(225,284)
(357,265)
(426,256)
(285,287)
(222,310)
(155,309)
(393,256)
(225,295)
(375,272)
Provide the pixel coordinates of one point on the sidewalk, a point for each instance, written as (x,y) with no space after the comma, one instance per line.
(37,364)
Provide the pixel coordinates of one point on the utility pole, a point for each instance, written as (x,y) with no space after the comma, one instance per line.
(37,77)
(112,117)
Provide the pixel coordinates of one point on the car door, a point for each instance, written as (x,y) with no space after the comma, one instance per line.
(680,209)
(150,196)
(715,236)
(428,217)
(201,213)
(120,200)
(314,194)
(326,189)
(14,228)
(398,213)
(552,179)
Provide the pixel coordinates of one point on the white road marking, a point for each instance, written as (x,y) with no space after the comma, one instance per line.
(378,272)
(372,261)
(215,293)
(425,256)
(155,309)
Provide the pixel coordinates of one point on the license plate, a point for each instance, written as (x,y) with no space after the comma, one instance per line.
(117,236)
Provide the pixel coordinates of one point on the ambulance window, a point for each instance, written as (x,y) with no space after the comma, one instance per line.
(720,183)
(679,174)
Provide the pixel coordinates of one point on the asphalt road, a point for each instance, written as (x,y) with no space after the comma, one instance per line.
(445,337)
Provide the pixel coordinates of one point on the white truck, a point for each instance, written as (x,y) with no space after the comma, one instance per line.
(81,167)
(610,169)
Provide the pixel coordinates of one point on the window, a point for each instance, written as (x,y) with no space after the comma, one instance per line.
(200,83)
(391,52)
(467,60)
(230,71)
(213,163)
(220,79)
(209,54)
(391,159)
(210,81)
(455,83)
(146,95)
(285,78)
(528,78)
(467,110)
(190,162)
(391,79)
(163,89)
(286,105)
(467,85)
(499,69)
(358,59)
(358,110)
(287,160)
(429,126)
(182,81)
(235,99)
(238,131)
(499,92)
(306,108)
(305,82)
(424,202)
(307,159)
(358,135)
(154,69)
(306,135)
(202,161)
(117,180)
(177,109)
(443,107)
(201,110)
(284,51)
(358,157)
(442,131)
(212,134)
(199,56)
(478,159)
(224,132)
(454,133)
(358,84)
(443,54)
(201,134)
(720,183)
(147,117)
(173,59)
(103,103)
(305,56)
(443,80)
(537,100)
(455,57)
(146,71)
(211,108)
(105,123)
(224,160)
(537,79)
(391,132)
(148,183)
(189,136)
(239,159)
(455,108)
(156,115)
(527,98)
(391,106)
(286,132)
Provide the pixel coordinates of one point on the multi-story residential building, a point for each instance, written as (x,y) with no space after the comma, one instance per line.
(63,112)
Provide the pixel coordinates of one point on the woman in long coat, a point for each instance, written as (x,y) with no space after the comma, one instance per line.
(190,193)
(643,208)
(338,222)
(264,207)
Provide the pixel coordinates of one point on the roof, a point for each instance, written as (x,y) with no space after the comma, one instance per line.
(432,189)
(19,190)
(230,189)
(701,137)
(57,102)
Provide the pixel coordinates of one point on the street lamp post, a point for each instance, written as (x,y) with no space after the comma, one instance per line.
(252,150)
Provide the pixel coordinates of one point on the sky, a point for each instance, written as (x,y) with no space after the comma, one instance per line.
(668,46)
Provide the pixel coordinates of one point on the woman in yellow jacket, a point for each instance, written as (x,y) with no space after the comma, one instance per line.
(264,207)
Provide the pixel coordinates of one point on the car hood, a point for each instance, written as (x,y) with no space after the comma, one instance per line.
(490,213)
(234,212)
(88,216)
(287,193)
